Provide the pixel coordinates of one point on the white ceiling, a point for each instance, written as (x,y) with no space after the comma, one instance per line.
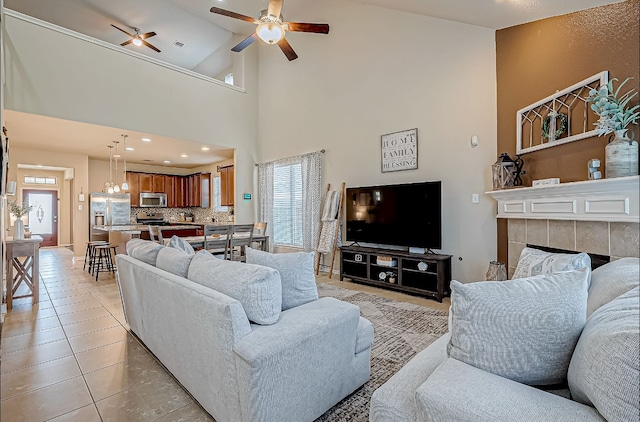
(207,38)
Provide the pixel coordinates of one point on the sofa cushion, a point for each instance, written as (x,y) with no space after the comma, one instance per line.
(461,393)
(181,244)
(174,261)
(296,273)
(143,250)
(523,329)
(536,262)
(611,280)
(605,367)
(257,288)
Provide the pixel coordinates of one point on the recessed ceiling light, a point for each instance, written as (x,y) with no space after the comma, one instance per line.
(130,149)
(183,155)
(166,161)
(146,140)
(205,148)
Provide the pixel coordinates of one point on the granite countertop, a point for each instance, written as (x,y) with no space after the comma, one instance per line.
(137,228)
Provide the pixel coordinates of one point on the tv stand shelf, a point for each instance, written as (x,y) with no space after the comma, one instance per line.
(423,274)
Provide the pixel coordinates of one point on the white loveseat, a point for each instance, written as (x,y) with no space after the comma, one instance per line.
(294,366)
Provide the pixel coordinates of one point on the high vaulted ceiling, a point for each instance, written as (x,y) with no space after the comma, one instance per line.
(206,40)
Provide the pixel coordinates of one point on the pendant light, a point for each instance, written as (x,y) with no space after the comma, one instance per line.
(109,184)
(116,187)
(125,185)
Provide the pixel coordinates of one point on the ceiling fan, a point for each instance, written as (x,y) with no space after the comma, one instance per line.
(271,28)
(138,39)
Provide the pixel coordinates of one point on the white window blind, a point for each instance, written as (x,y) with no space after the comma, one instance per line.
(217,198)
(287,205)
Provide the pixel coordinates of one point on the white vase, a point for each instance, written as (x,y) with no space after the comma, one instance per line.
(621,156)
(18,229)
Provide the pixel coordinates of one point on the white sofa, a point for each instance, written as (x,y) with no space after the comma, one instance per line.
(293,369)
(602,368)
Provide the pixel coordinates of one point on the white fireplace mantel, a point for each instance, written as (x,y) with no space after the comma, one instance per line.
(591,200)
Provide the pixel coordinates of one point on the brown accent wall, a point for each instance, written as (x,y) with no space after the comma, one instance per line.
(536,59)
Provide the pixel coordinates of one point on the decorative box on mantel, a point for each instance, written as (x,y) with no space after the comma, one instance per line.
(611,200)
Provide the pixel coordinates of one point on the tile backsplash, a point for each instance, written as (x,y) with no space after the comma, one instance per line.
(201,215)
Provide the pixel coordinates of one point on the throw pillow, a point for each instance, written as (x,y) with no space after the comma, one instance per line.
(536,262)
(181,244)
(611,280)
(174,261)
(143,250)
(523,329)
(296,273)
(257,288)
(605,368)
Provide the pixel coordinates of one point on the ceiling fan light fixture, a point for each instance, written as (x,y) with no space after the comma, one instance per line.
(270,32)
(137,41)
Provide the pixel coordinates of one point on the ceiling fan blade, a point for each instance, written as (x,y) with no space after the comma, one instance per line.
(120,29)
(275,7)
(150,46)
(318,28)
(245,43)
(287,50)
(232,14)
(127,42)
(147,35)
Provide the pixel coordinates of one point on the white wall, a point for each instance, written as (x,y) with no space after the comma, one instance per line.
(53,74)
(381,71)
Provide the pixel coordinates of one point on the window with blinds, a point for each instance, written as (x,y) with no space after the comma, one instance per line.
(287,205)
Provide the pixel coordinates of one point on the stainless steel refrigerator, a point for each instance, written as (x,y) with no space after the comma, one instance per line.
(108,209)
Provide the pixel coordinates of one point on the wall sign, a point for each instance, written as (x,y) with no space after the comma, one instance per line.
(400,151)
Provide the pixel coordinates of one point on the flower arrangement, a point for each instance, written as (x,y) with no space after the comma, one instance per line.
(20,210)
(611,108)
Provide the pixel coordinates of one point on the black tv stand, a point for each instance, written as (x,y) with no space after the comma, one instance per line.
(427,274)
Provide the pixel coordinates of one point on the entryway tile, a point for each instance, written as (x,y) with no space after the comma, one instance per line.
(98,338)
(28,379)
(108,355)
(35,355)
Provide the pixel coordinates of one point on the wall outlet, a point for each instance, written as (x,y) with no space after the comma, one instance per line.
(475,198)
(80,207)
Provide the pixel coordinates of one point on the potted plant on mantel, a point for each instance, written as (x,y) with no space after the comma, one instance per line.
(19,211)
(621,155)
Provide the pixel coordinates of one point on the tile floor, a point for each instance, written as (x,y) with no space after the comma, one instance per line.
(71,357)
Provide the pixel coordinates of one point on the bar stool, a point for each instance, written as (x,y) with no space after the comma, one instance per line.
(103,261)
(90,252)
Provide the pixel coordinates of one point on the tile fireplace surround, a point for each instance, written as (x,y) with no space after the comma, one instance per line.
(596,216)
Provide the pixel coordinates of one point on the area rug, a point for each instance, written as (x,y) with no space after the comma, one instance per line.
(400,331)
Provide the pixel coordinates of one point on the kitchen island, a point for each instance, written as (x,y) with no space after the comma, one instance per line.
(120,235)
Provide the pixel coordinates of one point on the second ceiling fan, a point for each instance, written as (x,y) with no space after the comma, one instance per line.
(271,28)
(138,39)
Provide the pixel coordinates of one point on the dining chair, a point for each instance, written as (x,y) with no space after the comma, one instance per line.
(259,228)
(155,234)
(241,237)
(216,239)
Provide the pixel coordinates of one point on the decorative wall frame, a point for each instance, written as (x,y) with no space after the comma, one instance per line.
(400,151)
(558,119)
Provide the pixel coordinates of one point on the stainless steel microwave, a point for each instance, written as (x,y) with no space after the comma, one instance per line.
(153,200)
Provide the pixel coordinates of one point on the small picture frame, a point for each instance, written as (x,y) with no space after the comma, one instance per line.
(400,151)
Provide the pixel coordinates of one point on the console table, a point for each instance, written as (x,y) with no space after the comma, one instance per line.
(23,266)
(422,274)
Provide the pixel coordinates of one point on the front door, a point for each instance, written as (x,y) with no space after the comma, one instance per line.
(43,217)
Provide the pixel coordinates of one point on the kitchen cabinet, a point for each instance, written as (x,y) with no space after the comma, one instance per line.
(182,191)
(146,182)
(227,191)
(158,183)
(133,180)
(170,190)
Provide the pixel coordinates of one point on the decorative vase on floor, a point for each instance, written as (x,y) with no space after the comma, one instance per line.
(18,229)
(621,156)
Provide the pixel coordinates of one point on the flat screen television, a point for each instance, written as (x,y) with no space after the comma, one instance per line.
(402,215)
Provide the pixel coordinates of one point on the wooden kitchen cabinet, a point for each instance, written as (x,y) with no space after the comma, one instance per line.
(180,191)
(133,180)
(158,183)
(146,182)
(170,190)
(227,190)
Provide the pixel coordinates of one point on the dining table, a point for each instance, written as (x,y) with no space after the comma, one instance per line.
(220,242)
